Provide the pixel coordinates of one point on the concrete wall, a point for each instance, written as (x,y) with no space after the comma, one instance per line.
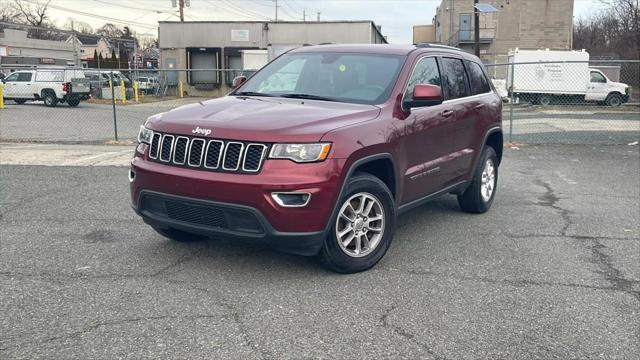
(18,44)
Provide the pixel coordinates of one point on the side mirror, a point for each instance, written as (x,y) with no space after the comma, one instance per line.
(238,80)
(427,95)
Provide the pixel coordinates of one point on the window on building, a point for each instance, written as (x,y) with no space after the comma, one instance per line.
(477,79)
(454,79)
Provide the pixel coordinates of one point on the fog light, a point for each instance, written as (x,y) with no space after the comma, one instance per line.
(291,199)
(132,175)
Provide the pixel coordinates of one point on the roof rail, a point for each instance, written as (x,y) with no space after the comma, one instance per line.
(438,46)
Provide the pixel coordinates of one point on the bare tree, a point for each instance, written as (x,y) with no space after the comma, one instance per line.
(32,13)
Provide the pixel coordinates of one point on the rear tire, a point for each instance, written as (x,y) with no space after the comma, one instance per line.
(20,101)
(50,99)
(366,219)
(479,195)
(178,235)
(544,100)
(614,100)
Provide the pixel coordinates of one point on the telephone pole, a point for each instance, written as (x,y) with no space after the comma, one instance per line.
(476,27)
(304,15)
(318,15)
(181,6)
(276,2)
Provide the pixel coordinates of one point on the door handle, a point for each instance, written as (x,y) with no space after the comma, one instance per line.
(479,106)
(446,113)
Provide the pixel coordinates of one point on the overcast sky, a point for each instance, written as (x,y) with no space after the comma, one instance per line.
(395,16)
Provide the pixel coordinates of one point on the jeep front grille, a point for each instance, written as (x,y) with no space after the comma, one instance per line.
(211,155)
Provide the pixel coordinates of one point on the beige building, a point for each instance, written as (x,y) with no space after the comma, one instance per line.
(524,24)
(200,46)
(424,34)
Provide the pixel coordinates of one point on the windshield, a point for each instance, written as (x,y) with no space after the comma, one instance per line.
(345,77)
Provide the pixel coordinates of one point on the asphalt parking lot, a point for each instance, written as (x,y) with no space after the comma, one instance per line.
(93,123)
(552,271)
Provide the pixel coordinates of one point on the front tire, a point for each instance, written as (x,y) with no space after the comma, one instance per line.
(614,100)
(50,99)
(479,195)
(544,100)
(363,227)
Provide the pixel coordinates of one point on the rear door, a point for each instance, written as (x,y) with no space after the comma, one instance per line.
(427,135)
(22,86)
(457,91)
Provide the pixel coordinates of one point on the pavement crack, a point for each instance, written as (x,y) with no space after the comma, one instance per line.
(384,320)
(610,272)
(550,199)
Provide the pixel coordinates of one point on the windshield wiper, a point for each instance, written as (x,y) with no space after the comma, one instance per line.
(307,96)
(252,93)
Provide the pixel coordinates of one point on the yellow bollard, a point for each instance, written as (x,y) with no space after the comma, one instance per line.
(1,95)
(135,90)
(123,92)
(181,89)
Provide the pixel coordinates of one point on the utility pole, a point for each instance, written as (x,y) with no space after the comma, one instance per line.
(181,6)
(304,15)
(276,2)
(318,15)
(476,27)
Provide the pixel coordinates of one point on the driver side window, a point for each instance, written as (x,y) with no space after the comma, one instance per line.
(12,77)
(425,72)
(596,77)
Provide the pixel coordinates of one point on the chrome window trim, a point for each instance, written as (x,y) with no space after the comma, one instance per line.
(240,156)
(244,158)
(201,152)
(222,148)
(274,196)
(185,150)
(170,150)
(157,147)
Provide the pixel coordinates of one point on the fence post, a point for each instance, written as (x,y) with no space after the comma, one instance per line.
(1,95)
(113,106)
(511,101)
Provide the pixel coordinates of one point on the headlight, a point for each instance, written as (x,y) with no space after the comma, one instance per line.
(145,135)
(300,152)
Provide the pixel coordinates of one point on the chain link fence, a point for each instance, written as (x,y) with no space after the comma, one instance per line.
(553,102)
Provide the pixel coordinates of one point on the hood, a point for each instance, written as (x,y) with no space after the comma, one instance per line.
(618,85)
(262,119)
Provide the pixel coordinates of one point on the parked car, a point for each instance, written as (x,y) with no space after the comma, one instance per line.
(545,76)
(52,86)
(147,85)
(320,150)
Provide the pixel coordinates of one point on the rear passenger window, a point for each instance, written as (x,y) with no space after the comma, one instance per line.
(477,79)
(425,72)
(454,78)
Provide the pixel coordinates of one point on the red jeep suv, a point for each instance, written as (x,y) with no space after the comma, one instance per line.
(318,152)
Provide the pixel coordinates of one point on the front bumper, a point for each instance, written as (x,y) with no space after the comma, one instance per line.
(243,200)
(216,219)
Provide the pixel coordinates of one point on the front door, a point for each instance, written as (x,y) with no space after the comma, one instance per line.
(597,89)
(426,137)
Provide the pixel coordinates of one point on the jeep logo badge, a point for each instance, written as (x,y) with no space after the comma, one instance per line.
(199,130)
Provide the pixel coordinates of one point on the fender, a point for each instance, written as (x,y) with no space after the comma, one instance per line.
(350,172)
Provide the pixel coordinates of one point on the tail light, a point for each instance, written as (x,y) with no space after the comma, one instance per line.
(66,87)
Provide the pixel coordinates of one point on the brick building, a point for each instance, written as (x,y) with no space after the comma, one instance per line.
(524,24)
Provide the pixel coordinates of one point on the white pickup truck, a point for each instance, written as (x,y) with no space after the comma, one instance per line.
(51,86)
(544,76)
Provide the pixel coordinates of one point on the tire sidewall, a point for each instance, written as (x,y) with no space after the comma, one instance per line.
(49,99)
(614,100)
(488,153)
(337,258)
